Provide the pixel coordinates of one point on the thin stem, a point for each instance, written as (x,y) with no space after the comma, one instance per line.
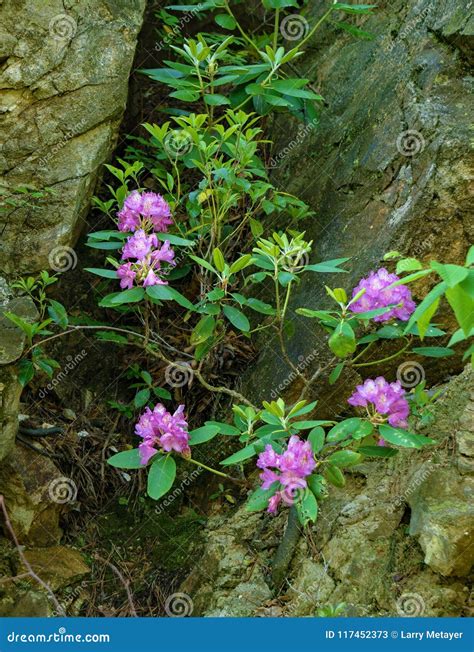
(243,34)
(359,355)
(317,25)
(389,357)
(215,471)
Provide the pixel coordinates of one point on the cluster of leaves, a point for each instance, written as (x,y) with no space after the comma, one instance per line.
(349,331)
(207,161)
(259,79)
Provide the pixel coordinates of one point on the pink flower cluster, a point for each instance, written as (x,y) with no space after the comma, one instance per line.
(161,430)
(293,465)
(387,399)
(143,213)
(377,295)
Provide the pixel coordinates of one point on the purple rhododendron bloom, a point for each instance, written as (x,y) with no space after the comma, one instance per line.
(126,275)
(291,468)
(141,209)
(139,245)
(163,431)
(128,220)
(164,254)
(377,295)
(387,399)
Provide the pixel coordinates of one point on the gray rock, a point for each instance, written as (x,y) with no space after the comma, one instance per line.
(385,169)
(63,92)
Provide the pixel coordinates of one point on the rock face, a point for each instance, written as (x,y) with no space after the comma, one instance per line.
(35,495)
(443,512)
(12,341)
(367,549)
(387,167)
(63,90)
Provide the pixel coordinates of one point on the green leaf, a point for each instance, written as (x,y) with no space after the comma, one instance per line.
(105,273)
(343,342)
(224,428)
(174,239)
(119,298)
(306,425)
(26,371)
(451,274)
(389,332)
(317,485)
(236,318)
(354,427)
(216,99)
(345,458)
(203,434)
(408,265)
(161,477)
(424,321)
(126,460)
(203,263)
(225,21)
(241,263)
(430,298)
(218,258)
(203,329)
(58,313)
(141,398)
(316,439)
(335,373)
(307,508)
(462,303)
(258,500)
(241,455)
(433,351)
(334,476)
(403,438)
(167,293)
(25,326)
(354,9)
(279,4)
(160,392)
(328,266)
(185,95)
(260,306)
(377,451)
